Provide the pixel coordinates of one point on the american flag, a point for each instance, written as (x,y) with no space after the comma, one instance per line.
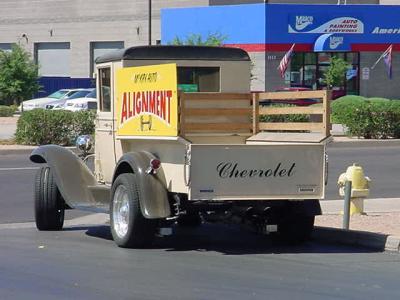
(285,61)
(387,58)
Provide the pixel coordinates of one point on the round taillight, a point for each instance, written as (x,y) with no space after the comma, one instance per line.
(155,164)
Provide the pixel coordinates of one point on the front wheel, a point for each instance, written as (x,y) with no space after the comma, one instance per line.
(129,228)
(49,205)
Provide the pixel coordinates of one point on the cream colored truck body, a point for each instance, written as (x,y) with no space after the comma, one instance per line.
(221,152)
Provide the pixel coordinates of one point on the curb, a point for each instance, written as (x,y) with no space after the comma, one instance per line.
(351,142)
(12,149)
(372,240)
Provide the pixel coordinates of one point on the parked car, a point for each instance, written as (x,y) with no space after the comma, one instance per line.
(80,93)
(83,103)
(56,97)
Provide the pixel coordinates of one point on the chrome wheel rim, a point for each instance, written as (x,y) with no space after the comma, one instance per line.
(121,211)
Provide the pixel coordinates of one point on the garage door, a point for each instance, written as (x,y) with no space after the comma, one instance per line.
(53,59)
(100,48)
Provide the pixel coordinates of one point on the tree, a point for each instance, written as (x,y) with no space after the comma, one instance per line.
(18,76)
(336,72)
(212,39)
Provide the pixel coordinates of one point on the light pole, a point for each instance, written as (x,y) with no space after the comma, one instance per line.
(149,22)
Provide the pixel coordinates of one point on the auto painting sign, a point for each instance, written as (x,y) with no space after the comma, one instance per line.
(147,101)
(304,23)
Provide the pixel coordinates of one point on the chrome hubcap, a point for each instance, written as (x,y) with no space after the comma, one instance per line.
(121,211)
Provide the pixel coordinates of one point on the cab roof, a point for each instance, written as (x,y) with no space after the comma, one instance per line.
(161,52)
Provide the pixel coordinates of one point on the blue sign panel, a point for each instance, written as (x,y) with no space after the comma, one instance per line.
(332,42)
(326,27)
(360,24)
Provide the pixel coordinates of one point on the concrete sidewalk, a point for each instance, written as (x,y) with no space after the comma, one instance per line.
(378,228)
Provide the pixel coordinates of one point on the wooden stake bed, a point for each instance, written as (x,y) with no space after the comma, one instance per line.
(238,114)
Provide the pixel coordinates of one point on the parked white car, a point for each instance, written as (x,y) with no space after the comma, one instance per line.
(78,94)
(84,103)
(42,102)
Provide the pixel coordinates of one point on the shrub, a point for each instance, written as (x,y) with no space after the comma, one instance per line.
(284,118)
(7,111)
(368,117)
(40,127)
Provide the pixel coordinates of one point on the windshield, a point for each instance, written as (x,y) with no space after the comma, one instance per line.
(58,95)
(79,94)
(92,94)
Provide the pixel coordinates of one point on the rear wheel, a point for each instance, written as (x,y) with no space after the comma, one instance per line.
(129,228)
(49,205)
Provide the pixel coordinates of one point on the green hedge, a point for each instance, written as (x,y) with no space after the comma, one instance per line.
(40,127)
(371,118)
(7,111)
(284,118)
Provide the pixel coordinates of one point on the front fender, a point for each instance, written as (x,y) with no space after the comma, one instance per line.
(152,188)
(72,176)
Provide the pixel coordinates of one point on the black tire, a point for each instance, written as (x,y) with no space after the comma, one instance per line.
(296,229)
(192,219)
(49,204)
(140,231)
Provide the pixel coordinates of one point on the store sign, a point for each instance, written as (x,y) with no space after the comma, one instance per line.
(311,24)
(331,43)
(147,102)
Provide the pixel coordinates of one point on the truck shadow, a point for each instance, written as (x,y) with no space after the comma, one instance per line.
(228,240)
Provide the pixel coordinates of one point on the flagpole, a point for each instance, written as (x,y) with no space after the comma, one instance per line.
(380,57)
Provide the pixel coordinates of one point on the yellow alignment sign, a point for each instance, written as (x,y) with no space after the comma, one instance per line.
(147,101)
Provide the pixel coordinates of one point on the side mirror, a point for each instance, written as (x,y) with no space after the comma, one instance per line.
(84,143)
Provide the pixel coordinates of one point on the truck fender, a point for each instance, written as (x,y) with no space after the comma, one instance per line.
(71,174)
(152,187)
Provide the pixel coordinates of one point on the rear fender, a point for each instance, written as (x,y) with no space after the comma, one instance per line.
(152,188)
(72,176)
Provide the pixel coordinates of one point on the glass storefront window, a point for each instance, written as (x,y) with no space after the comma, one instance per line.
(310,58)
(308,69)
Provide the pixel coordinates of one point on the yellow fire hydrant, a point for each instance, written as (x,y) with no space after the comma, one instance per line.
(359,187)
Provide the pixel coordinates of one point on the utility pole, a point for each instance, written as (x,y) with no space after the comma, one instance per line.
(149,22)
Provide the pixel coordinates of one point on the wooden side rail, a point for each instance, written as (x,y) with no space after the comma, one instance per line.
(239,113)
(323,126)
(215,113)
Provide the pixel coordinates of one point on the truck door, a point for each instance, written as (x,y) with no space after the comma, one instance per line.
(105,125)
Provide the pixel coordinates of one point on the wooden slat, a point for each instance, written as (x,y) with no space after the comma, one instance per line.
(217,96)
(218,111)
(292,95)
(256,113)
(326,115)
(182,122)
(218,126)
(291,126)
(309,110)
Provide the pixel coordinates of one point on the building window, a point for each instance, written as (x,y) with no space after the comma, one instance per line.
(307,69)
(105,89)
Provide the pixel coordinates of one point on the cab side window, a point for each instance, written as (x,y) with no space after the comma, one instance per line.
(105,89)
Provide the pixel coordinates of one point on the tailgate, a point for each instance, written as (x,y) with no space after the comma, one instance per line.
(249,172)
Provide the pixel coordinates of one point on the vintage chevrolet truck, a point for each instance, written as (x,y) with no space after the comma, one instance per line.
(180,139)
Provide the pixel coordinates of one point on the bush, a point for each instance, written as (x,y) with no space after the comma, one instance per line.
(7,111)
(284,118)
(40,127)
(376,118)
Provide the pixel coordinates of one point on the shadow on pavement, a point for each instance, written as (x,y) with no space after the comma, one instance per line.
(228,240)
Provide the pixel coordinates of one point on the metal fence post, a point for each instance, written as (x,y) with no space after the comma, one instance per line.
(346,210)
